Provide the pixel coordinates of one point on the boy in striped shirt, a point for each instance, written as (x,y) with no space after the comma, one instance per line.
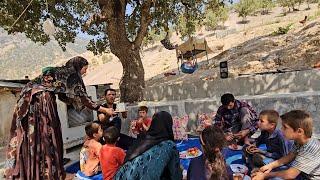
(304,158)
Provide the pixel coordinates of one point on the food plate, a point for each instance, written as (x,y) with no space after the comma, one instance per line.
(238,148)
(190,153)
(239,168)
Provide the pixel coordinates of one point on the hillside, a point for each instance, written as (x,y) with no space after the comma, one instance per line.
(249,48)
(297,50)
(19,56)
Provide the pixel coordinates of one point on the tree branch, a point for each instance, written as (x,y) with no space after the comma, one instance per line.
(94,19)
(98,17)
(145,20)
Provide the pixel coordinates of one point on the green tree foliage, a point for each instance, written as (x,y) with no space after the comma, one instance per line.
(265,6)
(318,3)
(283,3)
(282,30)
(312,1)
(118,26)
(211,20)
(290,4)
(153,36)
(216,16)
(246,7)
(187,26)
(223,14)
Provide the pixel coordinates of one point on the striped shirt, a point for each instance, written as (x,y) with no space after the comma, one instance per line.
(307,159)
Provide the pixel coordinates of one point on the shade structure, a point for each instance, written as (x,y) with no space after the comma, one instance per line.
(193,47)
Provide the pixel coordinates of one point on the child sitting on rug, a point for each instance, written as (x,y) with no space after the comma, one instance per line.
(89,154)
(272,137)
(212,140)
(111,157)
(304,157)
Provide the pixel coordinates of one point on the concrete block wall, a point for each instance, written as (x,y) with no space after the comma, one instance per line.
(309,101)
(289,82)
(281,91)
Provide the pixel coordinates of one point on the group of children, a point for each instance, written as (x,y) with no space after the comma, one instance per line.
(276,145)
(95,157)
(302,160)
(292,152)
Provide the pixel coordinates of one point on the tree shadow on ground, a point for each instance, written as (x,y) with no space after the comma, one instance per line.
(243,22)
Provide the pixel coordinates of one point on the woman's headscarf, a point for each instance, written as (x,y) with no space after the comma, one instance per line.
(160,130)
(69,77)
(77,63)
(66,80)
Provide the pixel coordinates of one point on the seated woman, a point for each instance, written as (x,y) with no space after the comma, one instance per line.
(212,140)
(155,156)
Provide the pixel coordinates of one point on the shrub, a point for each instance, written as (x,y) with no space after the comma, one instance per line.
(282,30)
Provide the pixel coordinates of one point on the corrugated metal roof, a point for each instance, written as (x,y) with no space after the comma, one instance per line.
(11,84)
(20,81)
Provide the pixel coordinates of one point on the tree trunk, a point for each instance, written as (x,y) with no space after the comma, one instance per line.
(132,81)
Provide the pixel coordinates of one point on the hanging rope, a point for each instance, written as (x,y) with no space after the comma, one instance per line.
(194,55)
(21,14)
(47,6)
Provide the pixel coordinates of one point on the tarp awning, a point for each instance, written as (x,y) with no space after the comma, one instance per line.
(195,46)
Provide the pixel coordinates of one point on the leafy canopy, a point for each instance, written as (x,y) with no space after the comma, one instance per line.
(72,16)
